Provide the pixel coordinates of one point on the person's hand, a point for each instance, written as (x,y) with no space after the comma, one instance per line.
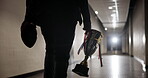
(28,33)
(26,24)
(87,31)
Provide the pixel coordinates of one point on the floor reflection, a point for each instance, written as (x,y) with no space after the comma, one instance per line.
(114,66)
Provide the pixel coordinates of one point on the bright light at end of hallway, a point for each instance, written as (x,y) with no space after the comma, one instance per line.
(114,40)
(106,29)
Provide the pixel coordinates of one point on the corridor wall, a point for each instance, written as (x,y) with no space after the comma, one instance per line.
(15,57)
(137,35)
(146,32)
(138,21)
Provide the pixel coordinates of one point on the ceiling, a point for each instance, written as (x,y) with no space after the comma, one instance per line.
(113,19)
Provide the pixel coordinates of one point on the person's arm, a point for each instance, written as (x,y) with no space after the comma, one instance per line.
(29,16)
(85,14)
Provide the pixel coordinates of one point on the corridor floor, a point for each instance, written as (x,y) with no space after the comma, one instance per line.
(114,66)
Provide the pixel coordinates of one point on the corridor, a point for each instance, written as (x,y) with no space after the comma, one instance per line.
(123,23)
(115,66)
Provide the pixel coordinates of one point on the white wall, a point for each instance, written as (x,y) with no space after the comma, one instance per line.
(146,28)
(137,33)
(139,30)
(15,57)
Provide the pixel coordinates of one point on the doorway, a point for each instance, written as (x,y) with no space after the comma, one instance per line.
(114,45)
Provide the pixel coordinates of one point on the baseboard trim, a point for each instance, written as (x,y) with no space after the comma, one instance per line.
(27,74)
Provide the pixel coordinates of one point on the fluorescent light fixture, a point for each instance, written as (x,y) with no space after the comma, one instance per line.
(115,14)
(96,12)
(116,6)
(114,25)
(110,7)
(114,20)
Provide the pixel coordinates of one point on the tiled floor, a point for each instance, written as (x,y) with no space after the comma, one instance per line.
(115,66)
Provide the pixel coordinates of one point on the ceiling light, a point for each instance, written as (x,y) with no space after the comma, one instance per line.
(96,12)
(116,7)
(110,7)
(114,25)
(105,28)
